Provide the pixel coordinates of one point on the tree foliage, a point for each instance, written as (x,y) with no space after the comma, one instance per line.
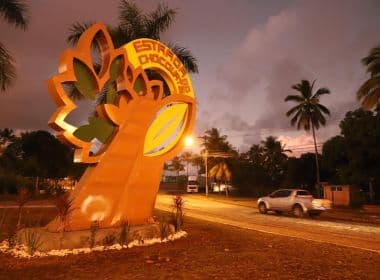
(369,93)
(15,13)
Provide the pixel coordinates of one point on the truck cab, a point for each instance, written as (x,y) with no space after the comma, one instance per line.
(192,184)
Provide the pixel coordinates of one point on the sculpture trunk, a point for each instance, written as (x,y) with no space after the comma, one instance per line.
(123,185)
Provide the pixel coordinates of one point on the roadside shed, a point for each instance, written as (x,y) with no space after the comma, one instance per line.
(344,195)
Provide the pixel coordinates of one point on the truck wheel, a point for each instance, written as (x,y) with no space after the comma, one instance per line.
(298,211)
(262,208)
(278,212)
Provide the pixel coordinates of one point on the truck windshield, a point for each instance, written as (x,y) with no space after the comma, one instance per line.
(192,183)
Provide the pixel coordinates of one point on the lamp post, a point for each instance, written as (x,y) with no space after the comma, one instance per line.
(189,142)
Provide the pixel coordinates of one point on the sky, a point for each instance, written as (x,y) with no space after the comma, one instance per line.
(250,53)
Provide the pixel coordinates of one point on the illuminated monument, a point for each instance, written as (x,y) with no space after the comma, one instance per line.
(140,122)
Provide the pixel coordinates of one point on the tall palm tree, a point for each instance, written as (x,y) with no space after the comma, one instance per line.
(134,24)
(369,93)
(14,12)
(308,113)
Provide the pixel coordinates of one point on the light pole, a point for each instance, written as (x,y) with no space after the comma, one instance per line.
(189,141)
(206,156)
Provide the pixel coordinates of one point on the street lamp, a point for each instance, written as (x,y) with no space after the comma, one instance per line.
(189,142)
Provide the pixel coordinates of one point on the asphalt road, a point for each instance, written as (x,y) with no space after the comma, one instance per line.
(360,236)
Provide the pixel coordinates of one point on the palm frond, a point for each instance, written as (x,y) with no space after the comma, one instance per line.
(374,67)
(294,109)
(323,109)
(7,68)
(306,88)
(366,88)
(295,118)
(76,30)
(186,57)
(373,54)
(15,12)
(296,98)
(131,19)
(119,36)
(159,21)
(371,100)
(320,92)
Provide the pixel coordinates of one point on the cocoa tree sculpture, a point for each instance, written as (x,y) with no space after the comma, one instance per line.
(139,122)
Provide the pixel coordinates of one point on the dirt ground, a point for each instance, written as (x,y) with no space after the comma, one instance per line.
(211,251)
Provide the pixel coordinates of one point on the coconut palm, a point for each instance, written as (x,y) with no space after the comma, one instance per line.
(134,24)
(308,113)
(14,12)
(221,173)
(369,93)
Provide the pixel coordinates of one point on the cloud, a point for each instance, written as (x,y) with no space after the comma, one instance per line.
(323,40)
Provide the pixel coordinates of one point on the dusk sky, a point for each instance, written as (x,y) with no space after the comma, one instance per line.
(250,52)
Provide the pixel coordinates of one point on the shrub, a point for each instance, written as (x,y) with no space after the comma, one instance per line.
(178,212)
(64,205)
(125,228)
(9,182)
(164,228)
(22,198)
(109,239)
(93,231)
(32,241)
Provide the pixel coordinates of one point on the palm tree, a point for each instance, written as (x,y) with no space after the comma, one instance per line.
(176,165)
(187,157)
(369,93)
(273,158)
(14,12)
(221,173)
(134,24)
(213,141)
(308,113)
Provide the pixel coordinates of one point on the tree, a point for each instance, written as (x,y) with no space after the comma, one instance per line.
(308,113)
(134,24)
(273,158)
(14,12)
(176,165)
(221,173)
(361,132)
(335,161)
(187,157)
(369,93)
(213,141)
(198,161)
(38,153)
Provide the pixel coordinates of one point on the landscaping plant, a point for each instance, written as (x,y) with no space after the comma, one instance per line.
(178,213)
(22,198)
(32,241)
(164,228)
(64,205)
(93,230)
(125,228)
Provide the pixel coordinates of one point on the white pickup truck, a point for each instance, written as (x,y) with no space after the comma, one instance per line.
(293,200)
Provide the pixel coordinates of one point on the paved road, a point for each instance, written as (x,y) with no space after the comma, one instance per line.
(347,234)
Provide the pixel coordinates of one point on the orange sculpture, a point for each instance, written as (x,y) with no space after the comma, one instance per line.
(139,120)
